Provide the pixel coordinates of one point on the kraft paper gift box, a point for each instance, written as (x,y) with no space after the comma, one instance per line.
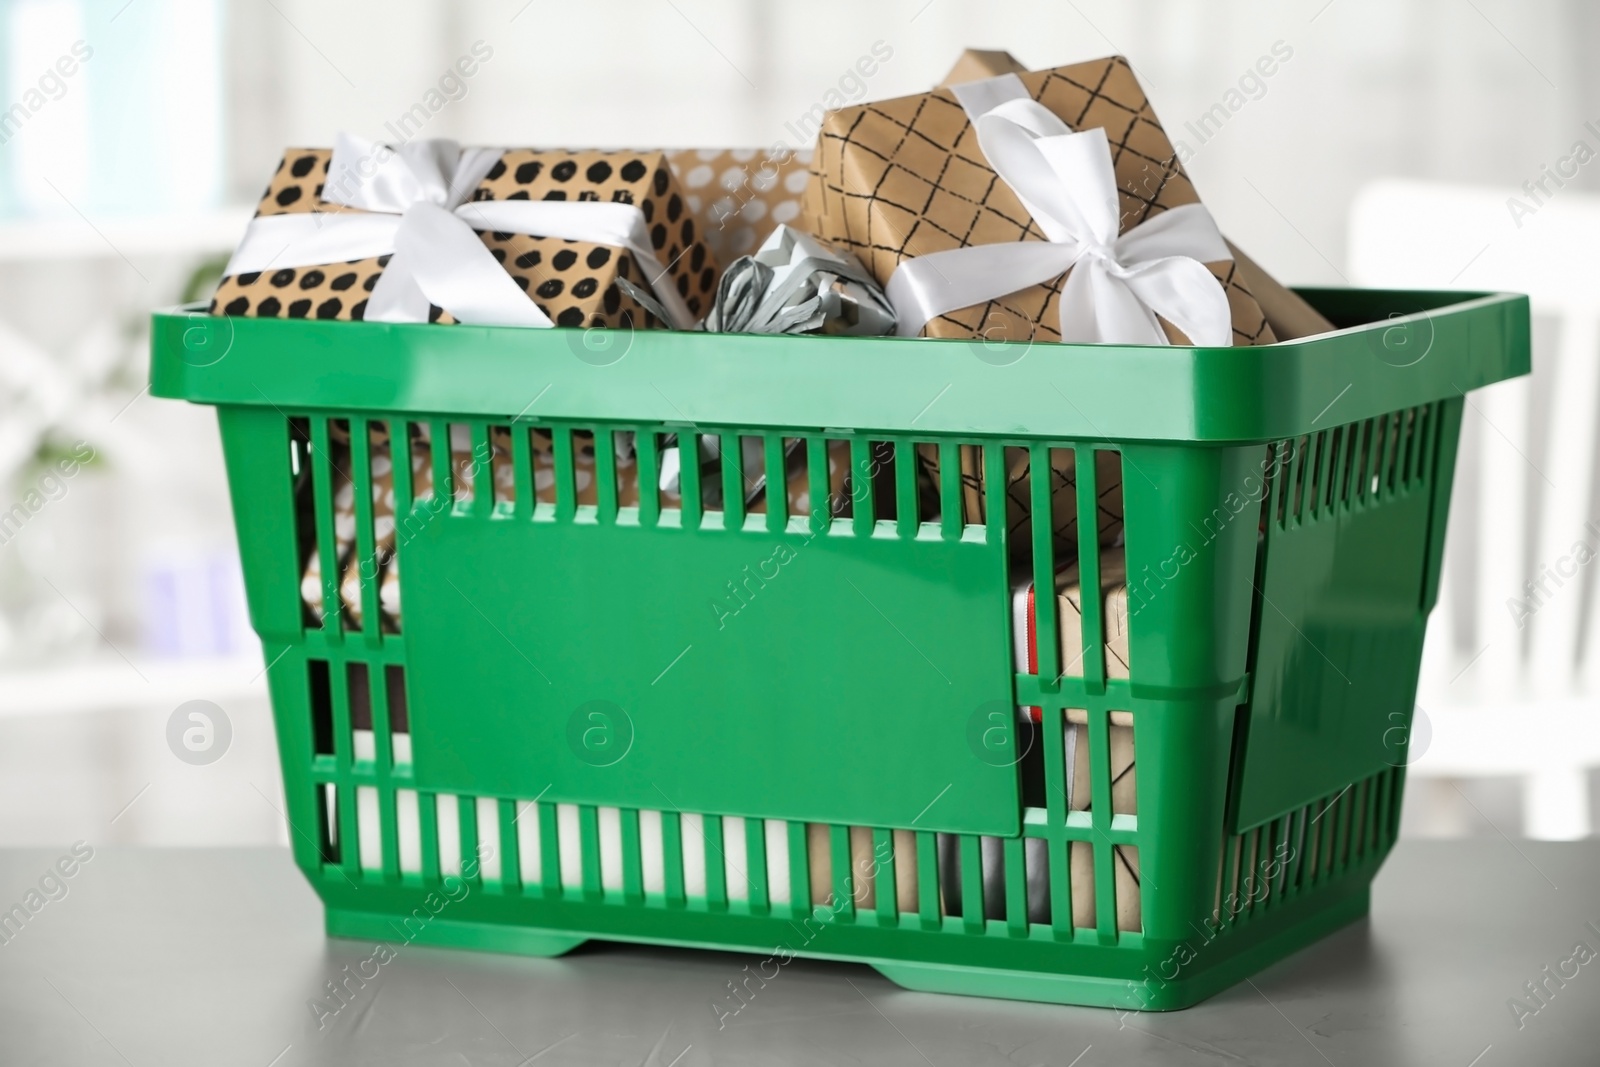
(1288,315)
(1287,312)
(573,282)
(1120,738)
(1019,503)
(906,178)
(1124,793)
(740,195)
(865,867)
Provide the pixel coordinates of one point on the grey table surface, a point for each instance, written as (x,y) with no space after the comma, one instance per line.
(177,957)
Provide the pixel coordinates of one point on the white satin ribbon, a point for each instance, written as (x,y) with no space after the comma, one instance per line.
(415,208)
(1118,283)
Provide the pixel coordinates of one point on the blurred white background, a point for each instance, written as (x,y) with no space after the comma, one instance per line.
(120,596)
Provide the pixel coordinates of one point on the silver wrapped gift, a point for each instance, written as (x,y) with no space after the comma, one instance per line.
(793,284)
(796,284)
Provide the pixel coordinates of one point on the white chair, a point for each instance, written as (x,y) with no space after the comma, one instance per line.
(1510,683)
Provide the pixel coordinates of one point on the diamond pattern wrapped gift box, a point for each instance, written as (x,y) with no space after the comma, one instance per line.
(572,282)
(905,178)
(1289,315)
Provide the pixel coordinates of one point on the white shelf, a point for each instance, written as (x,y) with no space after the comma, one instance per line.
(72,238)
(109,683)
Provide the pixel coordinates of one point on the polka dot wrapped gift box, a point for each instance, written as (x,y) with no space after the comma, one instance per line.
(572,282)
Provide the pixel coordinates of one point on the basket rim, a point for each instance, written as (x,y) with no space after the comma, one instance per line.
(885,386)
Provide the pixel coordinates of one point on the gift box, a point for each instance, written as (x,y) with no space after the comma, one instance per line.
(1119,733)
(1019,503)
(1124,792)
(349,564)
(560,226)
(907,179)
(740,195)
(1289,315)
(796,284)
(1287,312)
(866,866)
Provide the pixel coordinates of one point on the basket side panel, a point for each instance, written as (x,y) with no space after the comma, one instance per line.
(1191,541)
(256,449)
(255,444)
(1351,527)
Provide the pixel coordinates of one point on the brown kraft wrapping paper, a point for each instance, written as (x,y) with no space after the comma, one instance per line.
(1124,797)
(903,178)
(573,282)
(1019,505)
(740,195)
(1119,735)
(1287,312)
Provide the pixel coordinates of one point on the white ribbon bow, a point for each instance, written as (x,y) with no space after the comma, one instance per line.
(1118,284)
(414,205)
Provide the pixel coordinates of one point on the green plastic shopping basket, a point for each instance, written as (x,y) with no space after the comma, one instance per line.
(574,734)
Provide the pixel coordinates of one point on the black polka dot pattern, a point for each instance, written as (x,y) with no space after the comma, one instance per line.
(573,281)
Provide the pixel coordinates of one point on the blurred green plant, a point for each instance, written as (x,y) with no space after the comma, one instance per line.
(203,280)
(52,450)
